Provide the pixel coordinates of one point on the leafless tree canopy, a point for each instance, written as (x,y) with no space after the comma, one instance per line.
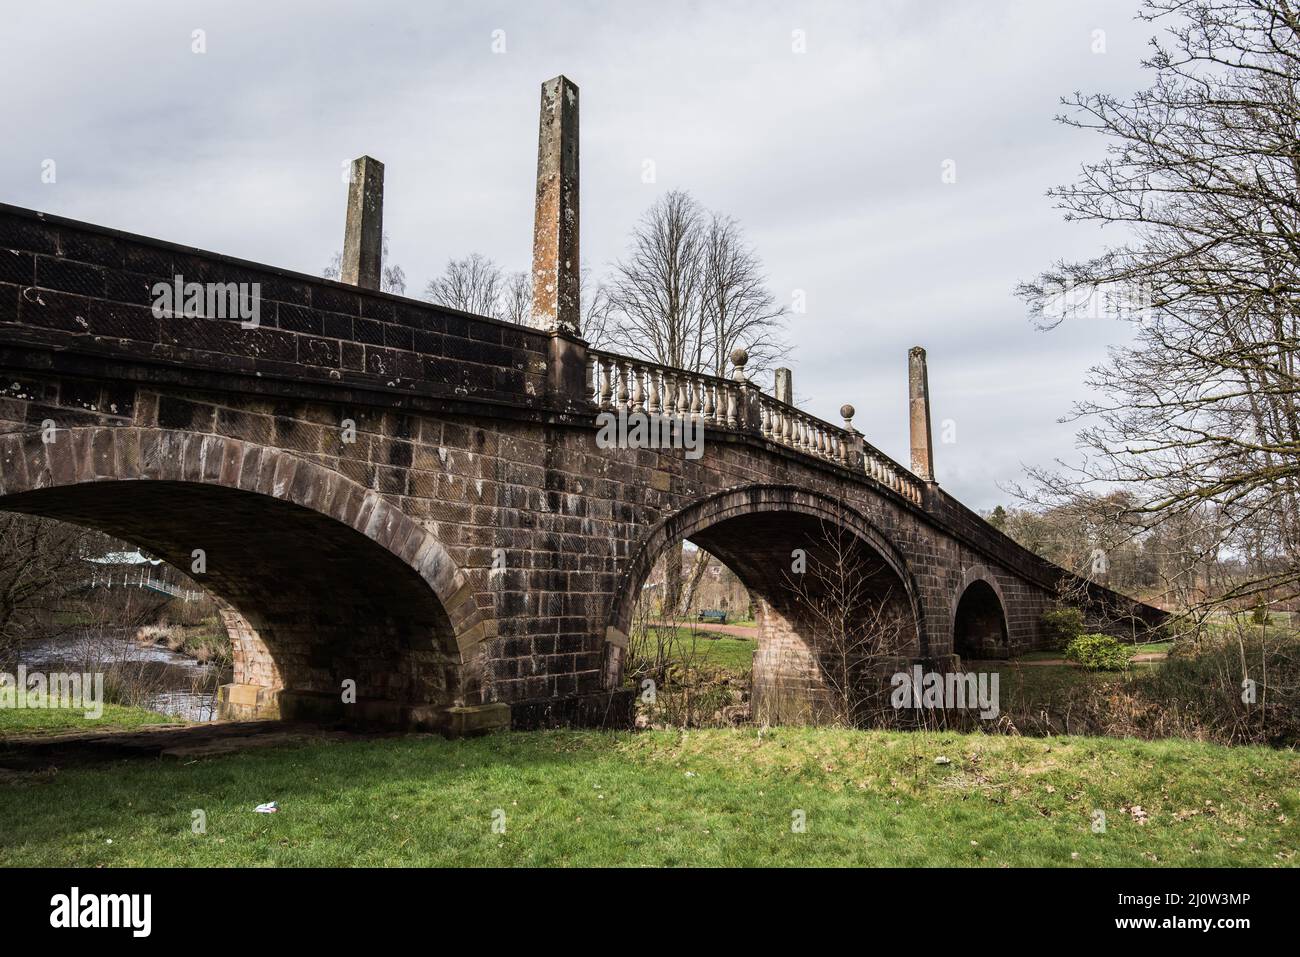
(41,563)
(392,277)
(691,289)
(474,284)
(855,622)
(1203,172)
(736,306)
(597,312)
(517,298)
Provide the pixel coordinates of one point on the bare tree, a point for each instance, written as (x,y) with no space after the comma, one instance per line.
(474,284)
(1203,411)
(738,309)
(392,278)
(689,291)
(598,318)
(41,563)
(517,298)
(656,291)
(854,621)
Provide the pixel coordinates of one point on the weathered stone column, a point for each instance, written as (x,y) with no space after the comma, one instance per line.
(919,413)
(556,301)
(784,389)
(363,236)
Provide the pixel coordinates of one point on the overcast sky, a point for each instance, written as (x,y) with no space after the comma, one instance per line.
(831,158)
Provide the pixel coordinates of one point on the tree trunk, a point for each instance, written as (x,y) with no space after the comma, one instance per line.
(672,580)
(698,569)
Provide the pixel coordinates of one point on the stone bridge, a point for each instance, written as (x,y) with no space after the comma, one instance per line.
(405,510)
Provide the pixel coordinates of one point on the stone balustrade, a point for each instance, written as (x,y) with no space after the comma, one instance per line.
(786,425)
(615,382)
(881,468)
(621,382)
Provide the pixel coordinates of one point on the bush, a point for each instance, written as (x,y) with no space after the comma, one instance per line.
(1201,691)
(1062,626)
(1259,616)
(1099,653)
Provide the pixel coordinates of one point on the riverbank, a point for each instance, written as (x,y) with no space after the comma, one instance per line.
(140,667)
(41,721)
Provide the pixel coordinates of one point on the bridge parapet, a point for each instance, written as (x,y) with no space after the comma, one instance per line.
(616,382)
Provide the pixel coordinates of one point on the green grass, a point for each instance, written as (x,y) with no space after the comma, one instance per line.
(1142,648)
(1040,656)
(1153,647)
(1049,685)
(718,797)
(734,655)
(21,721)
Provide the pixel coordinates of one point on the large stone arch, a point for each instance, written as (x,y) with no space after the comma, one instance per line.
(979,586)
(693,522)
(315,526)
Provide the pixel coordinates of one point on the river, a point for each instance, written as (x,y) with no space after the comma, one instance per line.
(168,681)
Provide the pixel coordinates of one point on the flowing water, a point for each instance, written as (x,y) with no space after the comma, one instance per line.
(167,681)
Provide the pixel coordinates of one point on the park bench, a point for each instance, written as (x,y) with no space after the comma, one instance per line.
(713,615)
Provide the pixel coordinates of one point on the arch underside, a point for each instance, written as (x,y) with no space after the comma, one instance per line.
(328,603)
(834,603)
(979,623)
(340,606)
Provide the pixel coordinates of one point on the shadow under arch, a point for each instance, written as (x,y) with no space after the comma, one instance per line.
(979,616)
(332,580)
(730,524)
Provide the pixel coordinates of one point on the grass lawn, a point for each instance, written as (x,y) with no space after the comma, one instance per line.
(16,721)
(716,797)
(1153,647)
(735,655)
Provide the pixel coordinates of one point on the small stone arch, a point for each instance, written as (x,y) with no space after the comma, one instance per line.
(973,624)
(32,471)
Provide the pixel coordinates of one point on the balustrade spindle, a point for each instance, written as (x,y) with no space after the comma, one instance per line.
(622,371)
(732,420)
(638,389)
(606,388)
(652,390)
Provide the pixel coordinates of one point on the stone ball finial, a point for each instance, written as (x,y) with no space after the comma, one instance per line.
(847,412)
(739,357)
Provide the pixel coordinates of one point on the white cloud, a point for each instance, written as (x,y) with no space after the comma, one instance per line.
(830,158)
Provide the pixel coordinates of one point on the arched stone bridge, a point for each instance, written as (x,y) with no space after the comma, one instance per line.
(399,495)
